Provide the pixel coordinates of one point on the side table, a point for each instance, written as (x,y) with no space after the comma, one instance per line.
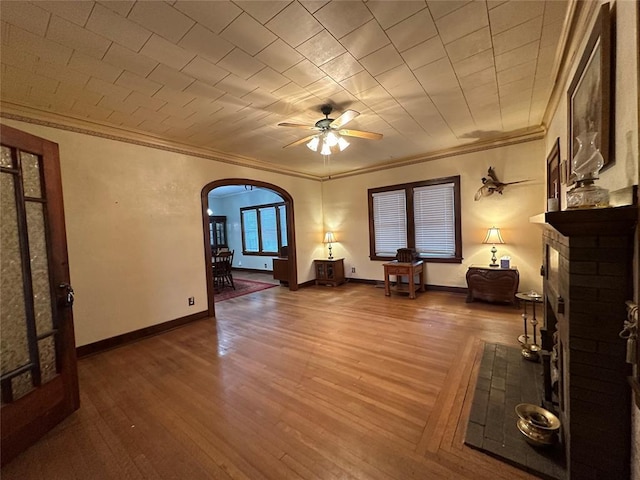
(530,347)
(329,272)
(410,269)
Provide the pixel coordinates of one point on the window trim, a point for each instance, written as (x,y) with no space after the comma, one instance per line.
(260,252)
(408,188)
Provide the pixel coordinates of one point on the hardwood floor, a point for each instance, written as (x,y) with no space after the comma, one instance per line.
(322,383)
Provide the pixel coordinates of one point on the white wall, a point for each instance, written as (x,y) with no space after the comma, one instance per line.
(134,229)
(346,212)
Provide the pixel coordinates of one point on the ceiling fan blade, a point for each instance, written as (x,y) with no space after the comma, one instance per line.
(345,118)
(360,134)
(298,125)
(298,142)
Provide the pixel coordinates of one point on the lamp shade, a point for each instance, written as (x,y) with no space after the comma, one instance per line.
(331,139)
(326,150)
(329,237)
(313,143)
(342,143)
(493,236)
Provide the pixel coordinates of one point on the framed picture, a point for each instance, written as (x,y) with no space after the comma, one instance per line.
(588,97)
(553,173)
(564,171)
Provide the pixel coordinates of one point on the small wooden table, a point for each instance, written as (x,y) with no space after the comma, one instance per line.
(404,268)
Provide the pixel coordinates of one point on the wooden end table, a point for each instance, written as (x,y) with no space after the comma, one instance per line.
(411,269)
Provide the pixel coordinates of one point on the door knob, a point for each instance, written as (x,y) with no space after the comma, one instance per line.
(69,294)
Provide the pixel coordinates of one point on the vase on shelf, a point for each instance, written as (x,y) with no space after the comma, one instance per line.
(586,165)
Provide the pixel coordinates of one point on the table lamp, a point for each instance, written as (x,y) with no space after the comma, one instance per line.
(493,237)
(329,238)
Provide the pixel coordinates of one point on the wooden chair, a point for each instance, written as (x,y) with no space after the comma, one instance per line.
(222,276)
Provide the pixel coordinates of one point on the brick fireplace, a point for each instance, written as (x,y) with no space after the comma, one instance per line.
(588,258)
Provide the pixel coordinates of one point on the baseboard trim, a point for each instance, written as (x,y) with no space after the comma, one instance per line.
(256,270)
(362,280)
(444,288)
(129,337)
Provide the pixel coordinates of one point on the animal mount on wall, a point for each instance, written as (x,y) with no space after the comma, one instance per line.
(491,185)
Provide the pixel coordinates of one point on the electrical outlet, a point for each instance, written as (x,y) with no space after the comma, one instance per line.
(265,265)
(353,269)
(192,301)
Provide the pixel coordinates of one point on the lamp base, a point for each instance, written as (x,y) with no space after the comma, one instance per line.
(494,259)
(330,255)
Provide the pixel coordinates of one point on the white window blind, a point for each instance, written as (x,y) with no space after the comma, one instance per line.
(435,220)
(390,222)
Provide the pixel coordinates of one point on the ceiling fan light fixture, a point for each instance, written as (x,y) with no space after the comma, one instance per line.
(330,132)
(313,144)
(326,150)
(342,144)
(331,139)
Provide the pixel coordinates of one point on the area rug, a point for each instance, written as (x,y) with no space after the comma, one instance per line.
(243,287)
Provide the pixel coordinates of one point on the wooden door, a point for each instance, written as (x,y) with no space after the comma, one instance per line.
(38,375)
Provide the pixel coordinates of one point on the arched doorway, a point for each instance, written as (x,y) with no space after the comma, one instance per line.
(291,240)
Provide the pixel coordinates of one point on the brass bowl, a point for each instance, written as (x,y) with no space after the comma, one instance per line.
(538,425)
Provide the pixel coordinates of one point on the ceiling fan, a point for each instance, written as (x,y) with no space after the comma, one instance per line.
(330,131)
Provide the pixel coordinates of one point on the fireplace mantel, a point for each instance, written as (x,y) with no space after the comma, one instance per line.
(597,221)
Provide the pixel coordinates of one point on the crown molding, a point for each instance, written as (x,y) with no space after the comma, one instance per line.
(93,128)
(521,136)
(37,117)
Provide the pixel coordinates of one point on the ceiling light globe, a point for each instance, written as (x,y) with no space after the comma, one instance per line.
(326,150)
(342,144)
(313,144)
(331,139)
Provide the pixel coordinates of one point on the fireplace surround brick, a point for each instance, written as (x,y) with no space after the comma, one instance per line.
(587,278)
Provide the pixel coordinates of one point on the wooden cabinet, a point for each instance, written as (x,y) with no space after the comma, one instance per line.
(281,269)
(218,232)
(492,284)
(329,272)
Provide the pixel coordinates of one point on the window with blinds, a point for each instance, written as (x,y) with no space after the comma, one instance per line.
(434,217)
(390,222)
(421,215)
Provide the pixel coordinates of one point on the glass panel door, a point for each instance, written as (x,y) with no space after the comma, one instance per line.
(38,375)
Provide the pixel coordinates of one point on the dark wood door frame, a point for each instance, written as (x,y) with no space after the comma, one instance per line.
(291,237)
